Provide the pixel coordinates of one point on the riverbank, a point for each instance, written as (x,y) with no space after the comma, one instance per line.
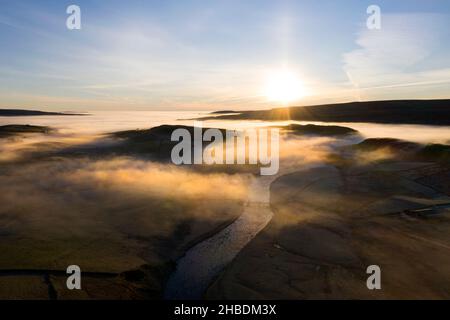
(331,223)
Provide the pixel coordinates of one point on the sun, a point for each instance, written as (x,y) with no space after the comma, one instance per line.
(284,86)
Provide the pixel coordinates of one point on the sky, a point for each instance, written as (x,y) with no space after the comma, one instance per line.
(215,55)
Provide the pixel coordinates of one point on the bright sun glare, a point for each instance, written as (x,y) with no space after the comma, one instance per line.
(284,86)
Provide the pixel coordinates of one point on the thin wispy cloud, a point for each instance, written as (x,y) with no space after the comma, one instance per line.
(402,53)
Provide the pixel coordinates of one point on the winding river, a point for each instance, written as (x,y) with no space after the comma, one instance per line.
(198,268)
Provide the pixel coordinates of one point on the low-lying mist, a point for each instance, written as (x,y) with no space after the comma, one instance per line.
(109,215)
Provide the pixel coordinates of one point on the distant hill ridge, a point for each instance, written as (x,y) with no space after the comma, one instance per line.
(431,112)
(22,112)
(16,129)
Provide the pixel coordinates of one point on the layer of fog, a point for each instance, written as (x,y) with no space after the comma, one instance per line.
(108,121)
